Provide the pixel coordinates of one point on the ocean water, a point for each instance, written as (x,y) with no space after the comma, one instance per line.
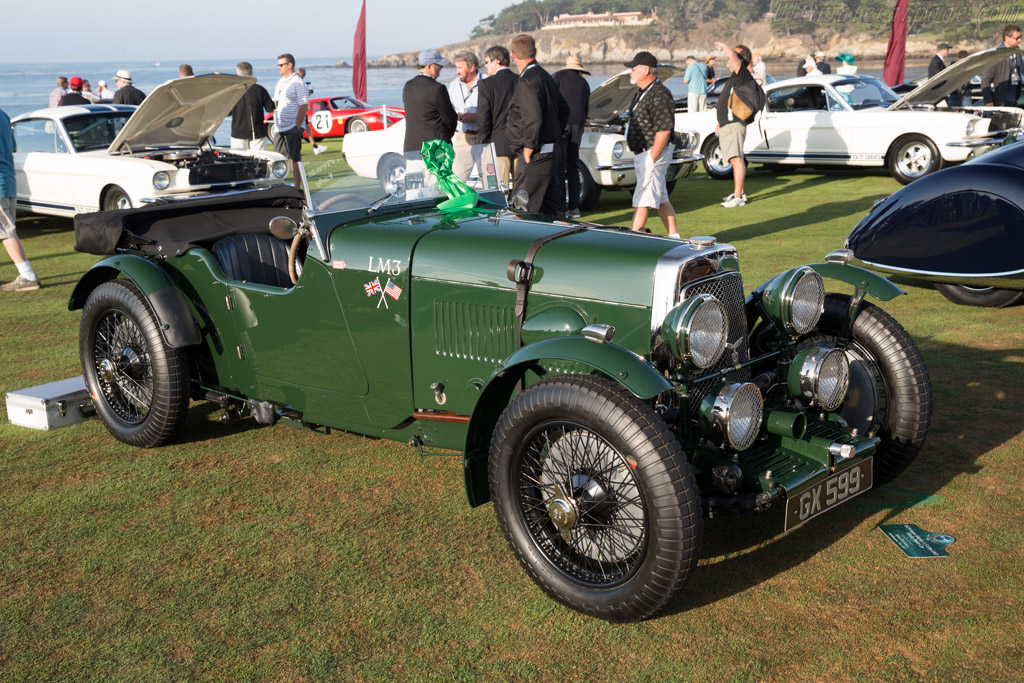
(26,87)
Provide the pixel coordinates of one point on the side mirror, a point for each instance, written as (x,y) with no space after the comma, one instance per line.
(520,200)
(283,227)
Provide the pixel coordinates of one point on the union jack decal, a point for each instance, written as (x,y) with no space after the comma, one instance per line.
(372,287)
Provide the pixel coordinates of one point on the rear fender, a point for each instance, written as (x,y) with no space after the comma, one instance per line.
(610,360)
(177,324)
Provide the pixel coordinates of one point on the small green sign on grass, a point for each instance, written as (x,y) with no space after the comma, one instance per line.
(915,541)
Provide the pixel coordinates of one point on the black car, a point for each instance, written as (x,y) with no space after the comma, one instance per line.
(961,228)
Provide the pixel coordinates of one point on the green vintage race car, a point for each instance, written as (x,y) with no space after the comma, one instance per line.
(606,390)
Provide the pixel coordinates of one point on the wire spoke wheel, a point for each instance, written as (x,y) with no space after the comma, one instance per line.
(595,496)
(581,503)
(140,386)
(123,366)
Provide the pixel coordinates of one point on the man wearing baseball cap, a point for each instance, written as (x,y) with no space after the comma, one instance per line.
(651,123)
(429,114)
(126,92)
(75,96)
(938,62)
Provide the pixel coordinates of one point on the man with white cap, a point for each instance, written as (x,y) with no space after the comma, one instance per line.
(429,114)
(811,67)
(126,92)
(105,93)
(819,61)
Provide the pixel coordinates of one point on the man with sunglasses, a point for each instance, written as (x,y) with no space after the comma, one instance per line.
(1001,83)
(291,101)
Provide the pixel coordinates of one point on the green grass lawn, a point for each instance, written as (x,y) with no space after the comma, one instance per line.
(273,553)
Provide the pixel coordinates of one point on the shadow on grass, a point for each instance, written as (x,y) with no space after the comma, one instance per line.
(742,552)
(35,225)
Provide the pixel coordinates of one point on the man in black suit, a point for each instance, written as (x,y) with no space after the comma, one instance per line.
(429,114)
(492,109)
(938,62)
(536,118)
(576,91)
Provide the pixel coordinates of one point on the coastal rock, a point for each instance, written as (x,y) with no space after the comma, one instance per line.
(608,45)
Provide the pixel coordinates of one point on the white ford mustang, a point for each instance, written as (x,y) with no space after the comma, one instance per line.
(101,156)
(859,121)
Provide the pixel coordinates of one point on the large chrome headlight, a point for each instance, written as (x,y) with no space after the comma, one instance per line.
(821,375)
(279,169)
(161,180)
(619,149)
(731,414)
(696,331)
(970,128)
(795,299)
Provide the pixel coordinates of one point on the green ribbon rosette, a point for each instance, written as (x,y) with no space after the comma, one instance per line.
(438,156)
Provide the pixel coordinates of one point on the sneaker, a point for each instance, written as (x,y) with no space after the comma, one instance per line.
(575,213)
(730,197)
(20,284)
(319,149)
(675,236)
(733,201)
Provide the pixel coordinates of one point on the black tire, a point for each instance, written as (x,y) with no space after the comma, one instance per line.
(715,166)
(391,172)
(990,297)
(670,185)
(590,191)
(633,500)
(890,392)
(115,198)
(913,156)
(140,385)
(356,125)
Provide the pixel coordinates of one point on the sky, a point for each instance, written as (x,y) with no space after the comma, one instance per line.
(101,30)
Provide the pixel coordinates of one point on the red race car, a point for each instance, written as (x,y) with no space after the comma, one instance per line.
(332,117)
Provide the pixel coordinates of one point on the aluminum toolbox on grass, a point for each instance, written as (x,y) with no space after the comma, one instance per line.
(50,406)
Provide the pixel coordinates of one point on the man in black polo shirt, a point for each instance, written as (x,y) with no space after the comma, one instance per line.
(651,122)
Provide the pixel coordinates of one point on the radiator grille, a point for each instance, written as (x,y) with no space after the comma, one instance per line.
(473,331)
(727,288)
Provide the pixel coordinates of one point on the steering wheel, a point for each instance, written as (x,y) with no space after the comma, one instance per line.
(345,197)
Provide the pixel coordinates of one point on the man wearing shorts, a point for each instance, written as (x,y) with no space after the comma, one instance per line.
(27,279)
(651,122)
(291,100)
(731,131)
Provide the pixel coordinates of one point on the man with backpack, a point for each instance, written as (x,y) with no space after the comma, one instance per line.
(737,106)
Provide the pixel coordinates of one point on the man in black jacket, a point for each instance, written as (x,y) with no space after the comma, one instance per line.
(938,62)
(537,116)
(492,109)
(576,91)
(126,92)
(1001,82)
(248,131)
(429,114)
(75,96)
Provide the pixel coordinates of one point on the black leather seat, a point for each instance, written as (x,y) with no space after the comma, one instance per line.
(254,258)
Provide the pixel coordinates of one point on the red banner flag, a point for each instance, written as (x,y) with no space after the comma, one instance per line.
(359,58)
(892,72)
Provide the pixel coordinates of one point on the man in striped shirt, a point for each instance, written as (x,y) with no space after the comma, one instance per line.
(291,100)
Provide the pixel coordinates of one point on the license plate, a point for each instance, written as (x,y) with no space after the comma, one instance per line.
(822,497)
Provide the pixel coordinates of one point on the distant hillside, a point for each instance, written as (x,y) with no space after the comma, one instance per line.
(609,45)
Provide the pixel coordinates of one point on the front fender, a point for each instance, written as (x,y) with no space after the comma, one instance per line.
(177,324)
(864,280)
(611,360)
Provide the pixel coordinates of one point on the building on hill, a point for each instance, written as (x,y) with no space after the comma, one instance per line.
(603,19)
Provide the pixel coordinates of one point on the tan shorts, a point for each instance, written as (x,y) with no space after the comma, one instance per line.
(730,138)
(8,207)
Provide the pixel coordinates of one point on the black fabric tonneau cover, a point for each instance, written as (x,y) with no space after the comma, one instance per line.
(177,226)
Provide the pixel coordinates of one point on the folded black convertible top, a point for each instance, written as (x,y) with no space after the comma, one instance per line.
(175,227)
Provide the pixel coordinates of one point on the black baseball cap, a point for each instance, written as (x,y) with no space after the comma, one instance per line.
(644,58)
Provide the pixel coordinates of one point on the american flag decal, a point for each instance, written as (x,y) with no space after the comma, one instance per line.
(393,290)
(372,287)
